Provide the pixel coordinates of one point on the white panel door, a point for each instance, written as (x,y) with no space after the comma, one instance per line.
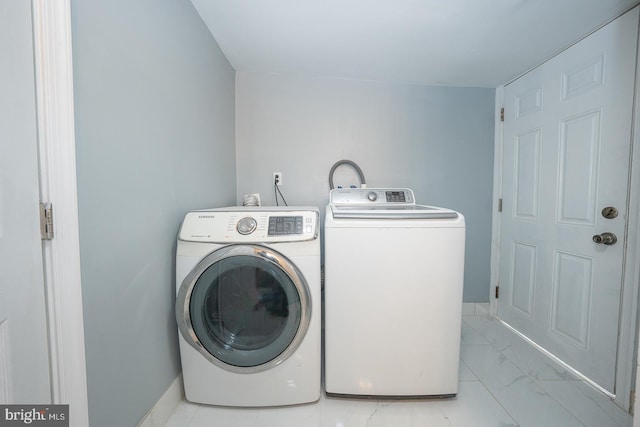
(24,358)
(567,134)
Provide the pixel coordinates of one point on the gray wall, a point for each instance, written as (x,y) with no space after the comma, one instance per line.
(154,108)
(437,141)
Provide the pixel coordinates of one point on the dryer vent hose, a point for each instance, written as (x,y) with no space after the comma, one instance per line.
(351,163)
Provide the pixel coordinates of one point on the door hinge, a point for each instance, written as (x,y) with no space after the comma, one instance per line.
(497,292)
(46,221)
(502,114)
(499,205)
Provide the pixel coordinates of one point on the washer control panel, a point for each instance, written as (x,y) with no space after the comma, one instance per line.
(372,196)
(256,225)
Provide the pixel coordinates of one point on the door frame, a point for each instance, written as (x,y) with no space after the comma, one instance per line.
(628,323)
(61,255)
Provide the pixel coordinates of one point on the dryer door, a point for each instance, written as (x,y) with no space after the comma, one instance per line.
(246,308)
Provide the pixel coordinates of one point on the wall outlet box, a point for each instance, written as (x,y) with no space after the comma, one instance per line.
(277,178)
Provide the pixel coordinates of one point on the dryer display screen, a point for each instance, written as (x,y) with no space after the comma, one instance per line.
(283,225)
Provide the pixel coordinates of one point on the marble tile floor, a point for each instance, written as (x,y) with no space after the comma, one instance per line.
(503,382)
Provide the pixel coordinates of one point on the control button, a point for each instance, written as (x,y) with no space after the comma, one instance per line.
(372,196)
(246,225)
(308,229)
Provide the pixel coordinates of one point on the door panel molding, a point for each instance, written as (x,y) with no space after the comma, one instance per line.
(523,277)
(572,324)
(578,168)
(583,78)
(527,164)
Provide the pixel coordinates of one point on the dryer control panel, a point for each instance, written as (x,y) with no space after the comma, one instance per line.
(286,225)
(250,225)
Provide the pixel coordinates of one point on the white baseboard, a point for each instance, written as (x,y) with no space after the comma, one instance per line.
(475,309)
(162,410)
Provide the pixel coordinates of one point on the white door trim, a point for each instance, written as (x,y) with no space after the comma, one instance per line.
(627,344)
(497,195)
(56,140)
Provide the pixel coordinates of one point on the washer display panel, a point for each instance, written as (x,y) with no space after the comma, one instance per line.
(244,307)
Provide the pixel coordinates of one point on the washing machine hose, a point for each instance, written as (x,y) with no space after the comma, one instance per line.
(351,163)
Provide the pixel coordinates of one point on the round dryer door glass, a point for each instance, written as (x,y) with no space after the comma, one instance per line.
(244,307)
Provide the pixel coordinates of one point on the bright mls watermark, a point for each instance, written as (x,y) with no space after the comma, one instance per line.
(34,415)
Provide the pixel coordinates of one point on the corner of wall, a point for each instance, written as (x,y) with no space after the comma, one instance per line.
(161,411)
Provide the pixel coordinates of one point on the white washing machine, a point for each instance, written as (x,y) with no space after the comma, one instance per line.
(393,295)
(248,305)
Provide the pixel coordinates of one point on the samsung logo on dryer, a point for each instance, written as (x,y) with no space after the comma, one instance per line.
(207,216)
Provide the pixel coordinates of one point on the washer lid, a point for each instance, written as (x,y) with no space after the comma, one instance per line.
(393,212)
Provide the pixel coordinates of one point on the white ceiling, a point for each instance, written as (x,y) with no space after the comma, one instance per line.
(482,43)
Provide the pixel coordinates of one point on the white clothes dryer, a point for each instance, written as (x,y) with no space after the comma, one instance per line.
(248,305)
(393,295)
